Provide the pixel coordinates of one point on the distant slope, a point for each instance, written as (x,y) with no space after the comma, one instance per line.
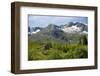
(62,34)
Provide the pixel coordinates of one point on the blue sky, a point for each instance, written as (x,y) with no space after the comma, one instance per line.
(43,21)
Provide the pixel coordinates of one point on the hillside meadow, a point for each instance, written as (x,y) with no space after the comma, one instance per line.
(52,50)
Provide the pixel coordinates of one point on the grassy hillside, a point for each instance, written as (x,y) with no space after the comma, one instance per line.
(51,49)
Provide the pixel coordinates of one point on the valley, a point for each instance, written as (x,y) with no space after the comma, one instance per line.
(53,42)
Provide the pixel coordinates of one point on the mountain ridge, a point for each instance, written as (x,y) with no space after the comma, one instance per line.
(58,33)
(68,28)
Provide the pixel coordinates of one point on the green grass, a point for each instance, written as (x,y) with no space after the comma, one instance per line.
(55,50)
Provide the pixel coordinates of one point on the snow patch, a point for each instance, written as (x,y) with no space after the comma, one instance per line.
(85,32)
(34,32)
(71,29)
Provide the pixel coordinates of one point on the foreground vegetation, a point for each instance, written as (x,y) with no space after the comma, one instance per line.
(54,50)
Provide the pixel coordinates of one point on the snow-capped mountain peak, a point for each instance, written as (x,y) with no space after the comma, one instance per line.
(33,30)
(75,27)
(72,29)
